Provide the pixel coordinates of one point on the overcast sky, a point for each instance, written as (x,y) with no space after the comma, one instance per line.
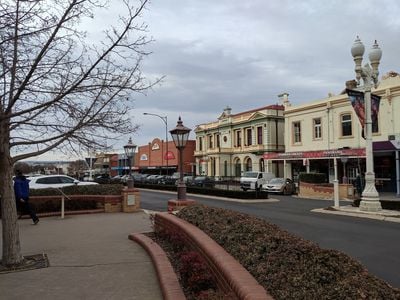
(243,54)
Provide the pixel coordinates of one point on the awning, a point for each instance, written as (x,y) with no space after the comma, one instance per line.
(383,146)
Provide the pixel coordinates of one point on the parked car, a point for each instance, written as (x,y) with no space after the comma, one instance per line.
(55,181)
(281,185)
(204,181)
(103,178)
(168,180)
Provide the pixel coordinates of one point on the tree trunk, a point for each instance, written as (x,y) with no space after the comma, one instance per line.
(11,245)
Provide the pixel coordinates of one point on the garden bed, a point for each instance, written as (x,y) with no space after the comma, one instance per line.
(287,266)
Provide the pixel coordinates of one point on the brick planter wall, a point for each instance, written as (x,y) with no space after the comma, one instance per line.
(231,276)
(319,191)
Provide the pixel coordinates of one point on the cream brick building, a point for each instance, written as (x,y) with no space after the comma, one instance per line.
(237,142)
(320,132)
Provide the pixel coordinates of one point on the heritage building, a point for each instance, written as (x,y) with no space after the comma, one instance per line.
(327,133)
(237,142)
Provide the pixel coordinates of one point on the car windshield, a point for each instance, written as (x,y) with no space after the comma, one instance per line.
(250,174)
(277,180)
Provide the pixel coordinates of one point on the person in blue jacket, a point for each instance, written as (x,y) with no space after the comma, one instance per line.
(21,190)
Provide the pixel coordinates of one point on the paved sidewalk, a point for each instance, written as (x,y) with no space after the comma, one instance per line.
(90,257)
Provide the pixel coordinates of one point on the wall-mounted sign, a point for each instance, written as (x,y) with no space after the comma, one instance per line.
(155,146)
(143,157)
(169,155)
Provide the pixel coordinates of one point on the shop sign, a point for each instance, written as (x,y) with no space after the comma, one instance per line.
(169,155)
(359,152)
(155,146)
(143,157)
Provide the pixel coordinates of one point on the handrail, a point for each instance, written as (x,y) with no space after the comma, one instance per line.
(63,196)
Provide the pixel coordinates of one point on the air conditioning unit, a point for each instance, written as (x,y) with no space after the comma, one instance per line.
(394,137)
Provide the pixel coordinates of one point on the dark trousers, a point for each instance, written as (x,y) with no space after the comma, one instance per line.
(26,208)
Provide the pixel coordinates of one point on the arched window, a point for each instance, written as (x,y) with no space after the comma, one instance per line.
(248,165)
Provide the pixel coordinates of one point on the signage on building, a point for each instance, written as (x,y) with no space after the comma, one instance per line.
(359,152)
(169,155)
(155,146)
(143,157)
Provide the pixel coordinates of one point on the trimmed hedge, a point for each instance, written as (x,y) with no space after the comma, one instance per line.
(98,189)
(287,266)
(208,191)
(312,177)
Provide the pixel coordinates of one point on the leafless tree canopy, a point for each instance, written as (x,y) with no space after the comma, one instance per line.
(56,89)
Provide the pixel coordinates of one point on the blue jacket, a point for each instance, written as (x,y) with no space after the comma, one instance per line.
(21,188)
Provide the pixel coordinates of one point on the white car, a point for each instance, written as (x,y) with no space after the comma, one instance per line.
(55,181)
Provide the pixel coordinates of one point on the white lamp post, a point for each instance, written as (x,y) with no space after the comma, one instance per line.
(180,135)
(129,152)
(369,74)
(165,120)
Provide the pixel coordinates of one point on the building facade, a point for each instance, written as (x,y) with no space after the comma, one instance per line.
(326,136)
(237,142)
(154,158)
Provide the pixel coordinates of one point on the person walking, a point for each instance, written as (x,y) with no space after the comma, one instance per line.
(21,190)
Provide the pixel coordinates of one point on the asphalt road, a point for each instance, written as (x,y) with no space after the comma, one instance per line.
(376,244)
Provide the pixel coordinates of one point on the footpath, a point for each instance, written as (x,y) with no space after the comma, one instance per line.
(90,257)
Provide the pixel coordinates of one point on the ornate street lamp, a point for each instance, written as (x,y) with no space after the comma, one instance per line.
(369,74)
(130,152)
(180,135)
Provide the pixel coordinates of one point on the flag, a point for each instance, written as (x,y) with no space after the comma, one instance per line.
(375,102)
(357,101)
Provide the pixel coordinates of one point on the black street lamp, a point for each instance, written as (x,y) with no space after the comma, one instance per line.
(180,135)
(130,152)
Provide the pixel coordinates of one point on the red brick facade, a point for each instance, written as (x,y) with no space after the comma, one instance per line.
(153,156)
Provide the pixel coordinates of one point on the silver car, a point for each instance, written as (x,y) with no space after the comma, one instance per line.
(280,186)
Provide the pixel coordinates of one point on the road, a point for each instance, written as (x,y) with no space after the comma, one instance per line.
(376,244)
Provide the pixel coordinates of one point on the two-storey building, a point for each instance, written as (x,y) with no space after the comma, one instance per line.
(325,134)
(237,142)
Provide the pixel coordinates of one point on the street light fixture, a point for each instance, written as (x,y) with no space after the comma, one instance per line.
(180,135)
(165,120)
(130,152)
(369,74)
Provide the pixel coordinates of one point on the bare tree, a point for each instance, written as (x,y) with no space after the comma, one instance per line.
(58,91)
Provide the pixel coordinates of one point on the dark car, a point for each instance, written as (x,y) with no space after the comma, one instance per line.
(168,180)
(204,181)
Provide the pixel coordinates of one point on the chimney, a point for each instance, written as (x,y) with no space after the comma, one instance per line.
(284,99)
(227,111)
(351,84)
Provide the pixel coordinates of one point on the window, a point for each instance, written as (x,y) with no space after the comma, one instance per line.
(66,179)
(259,135)
(200,144)
(218,140)
(296,132)
(317,128)
(210,142)
(249,137)
(346,125)
(238,137)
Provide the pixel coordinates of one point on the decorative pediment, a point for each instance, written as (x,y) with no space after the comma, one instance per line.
(257,115)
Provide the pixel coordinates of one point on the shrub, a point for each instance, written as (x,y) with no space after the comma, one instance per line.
(98,189)
(312,177)
(287,266)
